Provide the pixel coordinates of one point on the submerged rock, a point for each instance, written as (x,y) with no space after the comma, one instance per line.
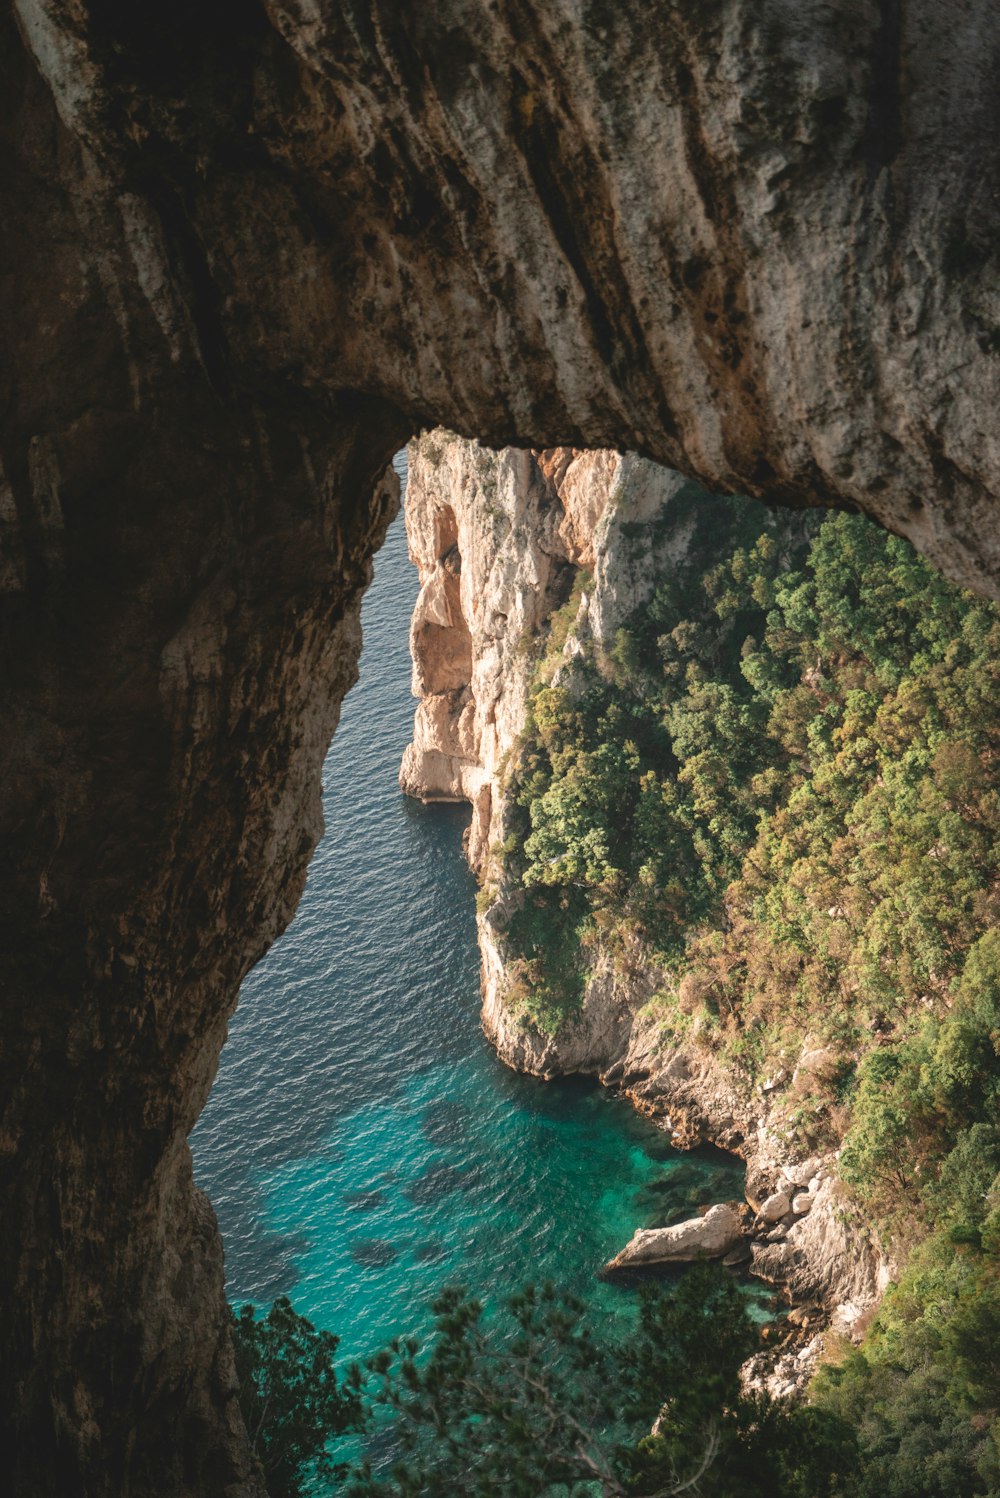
(372,1253)
(708,1237)
(437,1181)
(446,1121)
(363,1201)
(429,1252)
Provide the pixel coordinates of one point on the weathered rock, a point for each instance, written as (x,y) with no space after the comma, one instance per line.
(498,539)
(775,1207)
(248,250)
(783,1373)
(827,1256)
(637,535)
(820,1064)
(494,536)
(802,1202)
(517,527)
(708,1237)
(750,262)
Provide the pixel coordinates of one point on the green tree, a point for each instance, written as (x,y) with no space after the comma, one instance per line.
(530,1404)
(779,787)
(290,1397)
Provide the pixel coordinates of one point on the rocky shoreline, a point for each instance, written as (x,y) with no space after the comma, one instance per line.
(504,542)
(800,1232)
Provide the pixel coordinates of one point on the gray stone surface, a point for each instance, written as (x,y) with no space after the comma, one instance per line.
(709,1237)
(775,1207)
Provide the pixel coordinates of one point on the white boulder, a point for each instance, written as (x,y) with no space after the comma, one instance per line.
(775,1207)
(708,1237)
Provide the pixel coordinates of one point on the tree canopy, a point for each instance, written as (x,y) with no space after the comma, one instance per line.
(292,1402)
(527,1402)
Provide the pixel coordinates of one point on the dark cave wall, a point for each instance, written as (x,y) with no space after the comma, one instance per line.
(248,249)
(753,241)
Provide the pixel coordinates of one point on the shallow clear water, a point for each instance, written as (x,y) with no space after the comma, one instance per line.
(363,1145)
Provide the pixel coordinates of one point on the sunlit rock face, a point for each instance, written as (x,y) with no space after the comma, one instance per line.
(527,560)
(248,249)
(497,538)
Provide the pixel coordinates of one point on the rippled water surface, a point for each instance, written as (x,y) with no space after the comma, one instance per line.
(362,1144)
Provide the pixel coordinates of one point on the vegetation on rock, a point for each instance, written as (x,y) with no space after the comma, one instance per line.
(780,776)
(778,784)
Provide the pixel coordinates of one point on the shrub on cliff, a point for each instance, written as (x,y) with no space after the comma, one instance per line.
(923,1153)
(793,745)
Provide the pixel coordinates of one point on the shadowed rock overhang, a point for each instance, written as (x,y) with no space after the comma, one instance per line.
(248,249)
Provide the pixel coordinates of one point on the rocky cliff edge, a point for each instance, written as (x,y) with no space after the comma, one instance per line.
(510,546)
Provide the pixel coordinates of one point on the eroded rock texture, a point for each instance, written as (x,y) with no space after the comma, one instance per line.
(248,248)
(527,560)
(498,538)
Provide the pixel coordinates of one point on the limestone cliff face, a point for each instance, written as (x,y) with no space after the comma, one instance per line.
(498,538)
(487,531)
(249,249)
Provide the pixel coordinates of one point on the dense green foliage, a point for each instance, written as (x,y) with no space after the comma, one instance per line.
(780,784)
(290,1398)
(528,1404)
(781,776)
(924,1153)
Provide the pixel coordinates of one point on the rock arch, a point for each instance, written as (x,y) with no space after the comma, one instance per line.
(249,248)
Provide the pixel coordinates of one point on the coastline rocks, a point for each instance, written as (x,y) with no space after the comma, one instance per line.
(805,1173)
(775,1208)
(739,1255)
(826,1256)
(781,1373)
(710,1237)
(500,540)
(587,1041)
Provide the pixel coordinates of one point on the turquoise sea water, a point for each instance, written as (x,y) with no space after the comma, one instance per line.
(363,1145)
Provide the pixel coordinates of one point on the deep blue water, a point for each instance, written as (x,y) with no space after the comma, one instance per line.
(363,1145)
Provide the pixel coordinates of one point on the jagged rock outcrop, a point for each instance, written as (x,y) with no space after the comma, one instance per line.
(248,250)
(486,531)
(821,1249)
(496,538)
(499,539)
